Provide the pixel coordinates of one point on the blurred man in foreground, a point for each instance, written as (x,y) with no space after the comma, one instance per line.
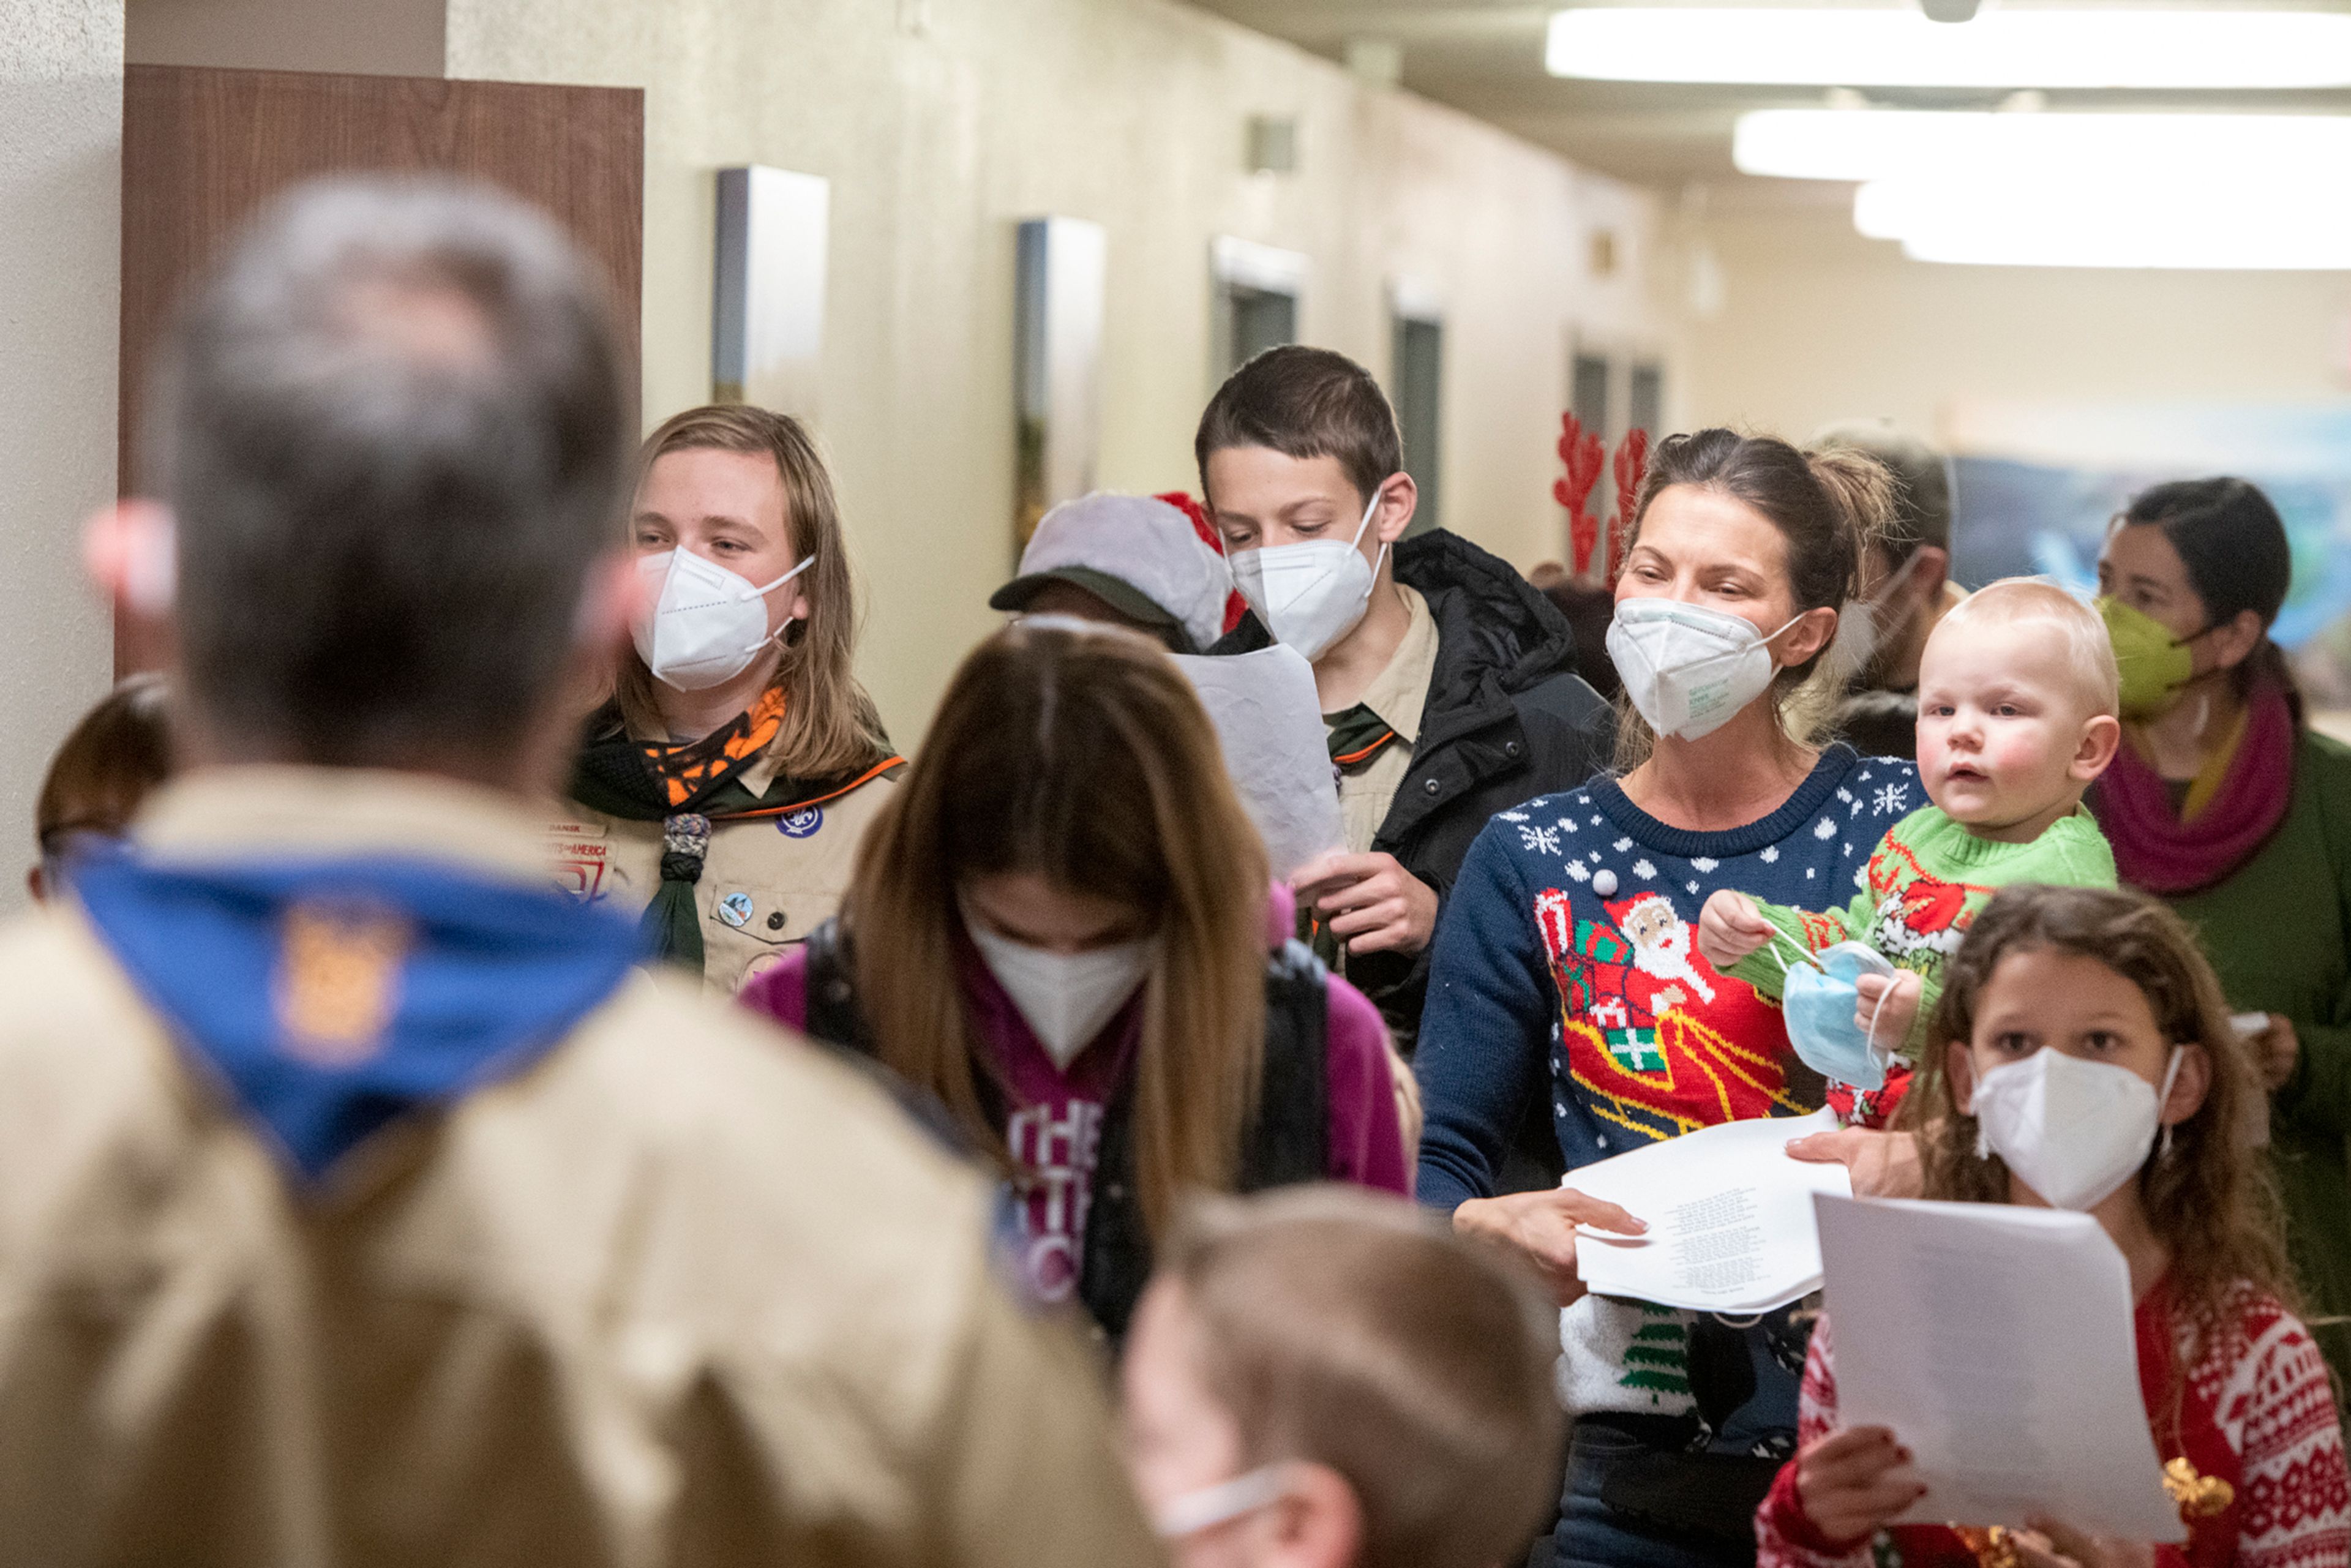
(359,1202)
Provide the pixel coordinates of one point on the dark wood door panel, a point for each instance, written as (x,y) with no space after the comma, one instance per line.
(204,148)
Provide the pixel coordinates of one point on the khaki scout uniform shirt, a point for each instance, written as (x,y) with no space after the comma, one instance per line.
(686,1291)
(765,883)
(1398,695)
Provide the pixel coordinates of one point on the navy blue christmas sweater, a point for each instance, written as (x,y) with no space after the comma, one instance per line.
(1566,963)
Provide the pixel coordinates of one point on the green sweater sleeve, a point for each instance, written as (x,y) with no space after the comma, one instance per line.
(1766,968)
(2317,1097)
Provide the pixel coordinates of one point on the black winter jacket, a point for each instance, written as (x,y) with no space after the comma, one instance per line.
(1506,719)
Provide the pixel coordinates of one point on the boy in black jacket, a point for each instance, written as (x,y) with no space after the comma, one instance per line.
(1447,682)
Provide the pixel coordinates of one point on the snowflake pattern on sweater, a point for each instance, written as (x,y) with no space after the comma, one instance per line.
(2256,1411)
(1574,969)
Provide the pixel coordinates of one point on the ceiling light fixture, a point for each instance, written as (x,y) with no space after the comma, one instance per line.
(2238,47)
(2209,191)
(1893,143)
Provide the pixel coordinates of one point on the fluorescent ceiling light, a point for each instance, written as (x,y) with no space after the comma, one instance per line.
(1887,143)
(2237,47)
(2151,219)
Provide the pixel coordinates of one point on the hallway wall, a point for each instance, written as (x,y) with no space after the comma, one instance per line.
(942,123)
(61,254)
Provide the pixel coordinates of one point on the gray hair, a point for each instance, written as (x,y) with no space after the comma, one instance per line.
(1922,484)
(392,430)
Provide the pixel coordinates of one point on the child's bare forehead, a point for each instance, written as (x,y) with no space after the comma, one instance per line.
(2029,649)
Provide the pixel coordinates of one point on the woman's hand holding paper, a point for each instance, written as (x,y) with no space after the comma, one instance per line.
(1541,1226)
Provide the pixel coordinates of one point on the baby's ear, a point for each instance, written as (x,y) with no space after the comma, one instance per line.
(2101,737)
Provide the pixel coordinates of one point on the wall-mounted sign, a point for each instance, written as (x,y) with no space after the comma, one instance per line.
(767,341)
(1057,365)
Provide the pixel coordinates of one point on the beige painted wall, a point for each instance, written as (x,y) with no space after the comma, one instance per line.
(943,122)
(1820,324)
(60,257)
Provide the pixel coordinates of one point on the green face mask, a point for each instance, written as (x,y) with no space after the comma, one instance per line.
(2154,662)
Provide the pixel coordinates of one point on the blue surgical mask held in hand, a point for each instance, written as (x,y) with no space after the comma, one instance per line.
(1821,1004)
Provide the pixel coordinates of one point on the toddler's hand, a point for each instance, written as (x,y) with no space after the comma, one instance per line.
(1854,1483)
(1731,927)
(1886,1018)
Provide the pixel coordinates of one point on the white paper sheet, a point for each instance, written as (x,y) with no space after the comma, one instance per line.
(1270,723)
(1731,1217)
(1997,1343)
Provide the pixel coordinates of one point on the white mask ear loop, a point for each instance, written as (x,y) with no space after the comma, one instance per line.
(1193,1512)
(2163,1096)
(1803,954)
(1357,542)
(1878,1012)
(777,634)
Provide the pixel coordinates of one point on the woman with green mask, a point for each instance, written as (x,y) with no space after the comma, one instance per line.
(2224,802)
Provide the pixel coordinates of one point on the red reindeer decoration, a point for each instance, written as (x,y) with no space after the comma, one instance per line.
(1632,467)
(1584,454)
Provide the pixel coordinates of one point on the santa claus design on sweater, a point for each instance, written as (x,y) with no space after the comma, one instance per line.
(1921,919)
(1648,1028)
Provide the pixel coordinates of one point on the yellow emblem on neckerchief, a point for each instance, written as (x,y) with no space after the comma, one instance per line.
(337,981)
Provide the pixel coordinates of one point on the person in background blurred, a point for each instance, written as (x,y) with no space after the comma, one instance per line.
(1588,606)
(2226,803)
(111,760)
(1448,683)
(1149,563)
(366,1203)
(1321,1378)
(723,788)
(1061,930)
(1905,589)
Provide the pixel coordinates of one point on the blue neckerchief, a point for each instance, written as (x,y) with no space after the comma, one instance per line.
(332,996)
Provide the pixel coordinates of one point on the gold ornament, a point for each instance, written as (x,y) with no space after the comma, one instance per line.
(2199,1497)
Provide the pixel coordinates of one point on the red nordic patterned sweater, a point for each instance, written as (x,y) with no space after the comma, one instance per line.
(2255,1411)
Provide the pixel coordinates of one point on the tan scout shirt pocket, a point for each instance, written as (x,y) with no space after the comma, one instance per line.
(750,928)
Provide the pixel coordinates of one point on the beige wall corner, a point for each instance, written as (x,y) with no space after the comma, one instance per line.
(379,37)
(61,254)
(942,123)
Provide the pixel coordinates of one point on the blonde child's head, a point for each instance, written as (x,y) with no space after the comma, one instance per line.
(2113,976)
(1326,1377)
(2016,707)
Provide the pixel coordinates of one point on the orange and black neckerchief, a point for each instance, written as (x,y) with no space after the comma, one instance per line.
(1357,735)
(687,789)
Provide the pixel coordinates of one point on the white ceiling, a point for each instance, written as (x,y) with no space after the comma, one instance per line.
(1485,56)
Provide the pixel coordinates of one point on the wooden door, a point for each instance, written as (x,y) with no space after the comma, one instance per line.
(203,149)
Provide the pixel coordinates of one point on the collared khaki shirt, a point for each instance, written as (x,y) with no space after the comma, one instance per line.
(765,883)
(684,1291)
(1398,695)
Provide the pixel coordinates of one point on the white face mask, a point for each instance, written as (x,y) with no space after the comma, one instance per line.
(1312,594)
(708,623)
(1066,997)
(1687,669)
(2073,1131)
(1194,1511)
(1860,629)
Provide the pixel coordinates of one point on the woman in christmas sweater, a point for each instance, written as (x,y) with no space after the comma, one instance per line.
(1564,966)
(2059,995)
(1060,931)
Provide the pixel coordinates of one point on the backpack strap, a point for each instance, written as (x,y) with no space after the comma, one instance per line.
(1291,1140)
(833,1015)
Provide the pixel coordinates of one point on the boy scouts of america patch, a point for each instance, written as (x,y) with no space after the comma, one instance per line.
(802,824)
(337,981)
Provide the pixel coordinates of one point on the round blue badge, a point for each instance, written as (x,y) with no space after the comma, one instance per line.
(735,910)
(801,824)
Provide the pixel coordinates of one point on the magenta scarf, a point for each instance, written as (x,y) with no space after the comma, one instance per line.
(2157,851)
